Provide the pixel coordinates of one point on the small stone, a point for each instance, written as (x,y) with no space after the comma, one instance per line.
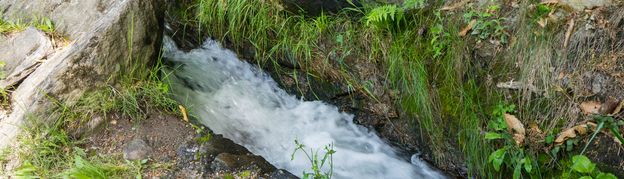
(114,122)
(137,149)
(280,173)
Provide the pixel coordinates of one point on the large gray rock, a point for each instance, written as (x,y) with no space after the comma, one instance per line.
(71,17)
(105,34)
(24,49)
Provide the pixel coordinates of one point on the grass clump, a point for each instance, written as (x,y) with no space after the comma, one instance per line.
(44,24)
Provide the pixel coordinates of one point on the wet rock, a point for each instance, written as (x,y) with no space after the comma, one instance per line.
(136,149)
(281,174)
(100,36)
(217,144)
(231,162)
(218,155)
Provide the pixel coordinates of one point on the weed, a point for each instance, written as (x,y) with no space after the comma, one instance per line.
(44,24)
(487,26)
(582,167)
(317,164)
(510,155)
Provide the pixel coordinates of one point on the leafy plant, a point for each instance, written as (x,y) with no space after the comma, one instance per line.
(438,36)
(487,25)
(582,167)
(317,164)
(414,4)
(510,155)
(384,17)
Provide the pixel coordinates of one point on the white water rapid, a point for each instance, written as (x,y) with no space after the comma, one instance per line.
(244,104)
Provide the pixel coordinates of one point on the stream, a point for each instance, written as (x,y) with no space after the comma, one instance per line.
(244,104)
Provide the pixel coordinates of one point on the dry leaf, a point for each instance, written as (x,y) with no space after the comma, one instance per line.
(568,32)
(184,114)
(581,129)
(572,132)
(516,128)
(590,107)
(454,6)
(465,30)
(567,134)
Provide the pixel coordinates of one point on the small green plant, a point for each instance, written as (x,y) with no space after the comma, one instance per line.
(438,36)
(11,26)
(414,4)
(45,24)
(510,155)
(317,164)
(487,25)
(584,168)
(82,168)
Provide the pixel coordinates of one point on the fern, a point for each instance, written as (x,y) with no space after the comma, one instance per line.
(384,16)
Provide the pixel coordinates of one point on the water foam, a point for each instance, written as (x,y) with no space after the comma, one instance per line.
(244,104)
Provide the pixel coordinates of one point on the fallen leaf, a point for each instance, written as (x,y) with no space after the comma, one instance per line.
(567,134)
(568,32)
(465,30)
(516,128)
(184,114)
(581,129)
(590,107)
(572,132)
(454,6)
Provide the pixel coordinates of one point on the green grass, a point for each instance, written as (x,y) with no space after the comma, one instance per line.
(48,150)
(10,26)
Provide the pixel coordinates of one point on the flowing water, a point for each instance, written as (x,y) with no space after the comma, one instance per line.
(244,104)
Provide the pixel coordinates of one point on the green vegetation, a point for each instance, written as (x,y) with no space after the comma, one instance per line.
(487,25)
(582,167)
(44,24)
(317,164)
(422,53)
(48,150)
(413,58)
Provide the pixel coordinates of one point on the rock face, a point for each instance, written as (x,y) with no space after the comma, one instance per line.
(106,37)
(22,53)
